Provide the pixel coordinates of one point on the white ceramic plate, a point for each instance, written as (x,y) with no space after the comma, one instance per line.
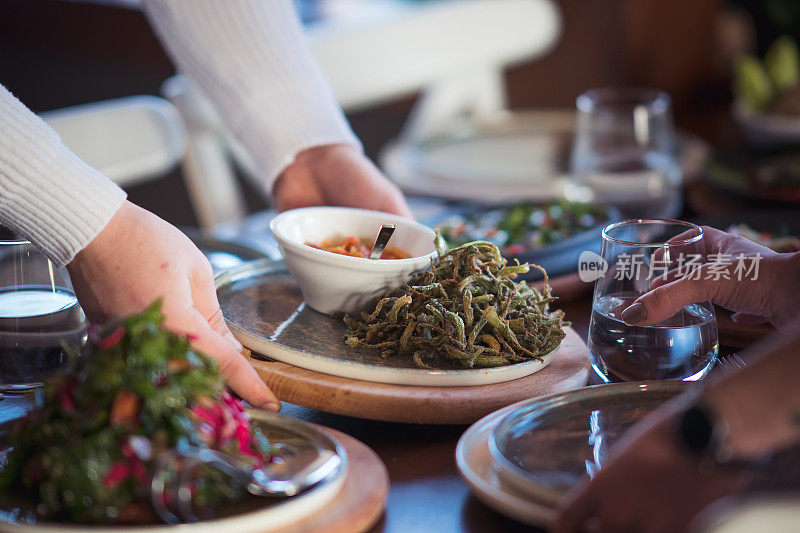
(475,464)
(776,513)
(503,157)
(266,312)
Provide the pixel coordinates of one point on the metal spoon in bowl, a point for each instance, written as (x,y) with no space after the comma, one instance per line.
(383,239)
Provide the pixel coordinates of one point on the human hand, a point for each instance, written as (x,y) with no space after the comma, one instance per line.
(650,485)
(337,174)
(138,258)
(773,296)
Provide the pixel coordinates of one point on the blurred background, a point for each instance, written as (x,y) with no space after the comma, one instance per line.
(55,54)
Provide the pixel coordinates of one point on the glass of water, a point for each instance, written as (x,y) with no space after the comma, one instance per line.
(38,311)
(624,152)
(637,255)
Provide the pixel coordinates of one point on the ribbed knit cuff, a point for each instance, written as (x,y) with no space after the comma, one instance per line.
(48,194)
(314,122)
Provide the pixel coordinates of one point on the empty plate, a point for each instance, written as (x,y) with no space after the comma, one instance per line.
(503,157)
(546,446)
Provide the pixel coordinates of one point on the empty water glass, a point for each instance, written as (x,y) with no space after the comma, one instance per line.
(38,314)
(624,152)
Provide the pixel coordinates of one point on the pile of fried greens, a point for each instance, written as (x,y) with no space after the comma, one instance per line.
(87,455)
(466,312)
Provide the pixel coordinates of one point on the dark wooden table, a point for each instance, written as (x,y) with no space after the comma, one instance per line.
(426,494)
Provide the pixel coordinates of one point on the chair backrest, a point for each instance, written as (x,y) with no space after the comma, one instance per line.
(129,140)
(371,60)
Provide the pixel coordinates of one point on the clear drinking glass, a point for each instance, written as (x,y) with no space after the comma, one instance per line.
(637,254)
(624,152)
(38,311)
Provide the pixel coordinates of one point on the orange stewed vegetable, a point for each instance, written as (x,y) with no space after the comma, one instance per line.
(357,247)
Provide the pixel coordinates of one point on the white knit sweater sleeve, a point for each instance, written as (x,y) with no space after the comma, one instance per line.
(251,59)
(47,194)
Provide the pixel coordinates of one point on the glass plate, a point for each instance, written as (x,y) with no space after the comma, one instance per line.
(547,445)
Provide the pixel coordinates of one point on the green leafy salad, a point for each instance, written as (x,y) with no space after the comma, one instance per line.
(89,453)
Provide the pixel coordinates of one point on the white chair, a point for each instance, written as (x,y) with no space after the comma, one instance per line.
(130,140)
(454,52)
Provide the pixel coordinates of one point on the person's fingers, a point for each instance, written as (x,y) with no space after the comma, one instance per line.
(714,241)
(666,300)
(237,371)
(747,319)
(396,205)
(675,246)
(667,277)
(201,285)
(296,190)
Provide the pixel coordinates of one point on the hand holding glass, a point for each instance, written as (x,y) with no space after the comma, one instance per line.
(639,253)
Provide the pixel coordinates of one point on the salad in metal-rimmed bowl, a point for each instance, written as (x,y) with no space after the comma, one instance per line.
(142,431)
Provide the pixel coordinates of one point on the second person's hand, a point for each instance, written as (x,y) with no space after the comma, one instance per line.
(339,175)
(771,292)
(138,258)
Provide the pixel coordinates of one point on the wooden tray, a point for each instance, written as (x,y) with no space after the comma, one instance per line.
(360,501)
(423,405)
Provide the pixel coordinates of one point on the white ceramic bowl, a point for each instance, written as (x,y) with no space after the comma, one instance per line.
(333,282)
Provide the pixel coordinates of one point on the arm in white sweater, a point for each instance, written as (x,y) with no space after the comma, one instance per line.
(47,194)
(251,59)
(249,56)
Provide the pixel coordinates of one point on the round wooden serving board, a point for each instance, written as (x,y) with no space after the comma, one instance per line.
(361,500)
(424,405)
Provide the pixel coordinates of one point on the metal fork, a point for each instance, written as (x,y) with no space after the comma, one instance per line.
(731,364)
(171,487)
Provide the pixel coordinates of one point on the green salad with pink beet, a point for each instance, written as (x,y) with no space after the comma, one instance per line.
(89,453)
